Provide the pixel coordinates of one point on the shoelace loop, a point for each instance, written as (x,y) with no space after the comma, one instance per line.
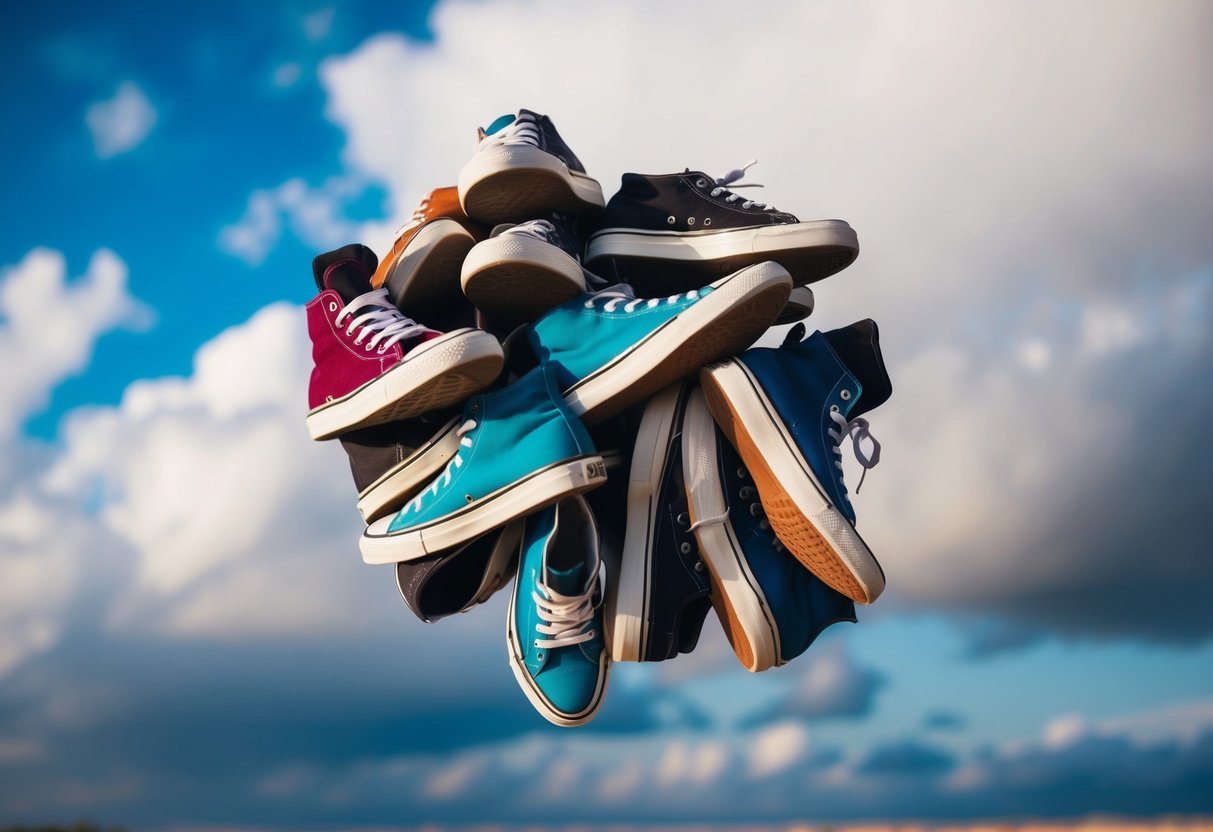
(563,617)
(725,185)
(444,479)
(857,430)
(385,324)
(615,297)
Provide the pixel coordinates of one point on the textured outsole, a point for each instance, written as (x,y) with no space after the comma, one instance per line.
(724,323)
(799,532)
(515,281)
(512,184)
(424,281)
(437,374)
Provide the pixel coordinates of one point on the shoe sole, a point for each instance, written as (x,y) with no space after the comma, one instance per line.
(726,321)
(533,492)
(538,701)
(424,280)
(403,480)
(435,374)
(740,604)
(496,571)
(795,502)
(679,261)
(515,279)
(627,618)
(798,307)
(511,184)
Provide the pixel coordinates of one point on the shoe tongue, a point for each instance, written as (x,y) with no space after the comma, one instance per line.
(346,270)
(569,581)
(858,347)
(500,124)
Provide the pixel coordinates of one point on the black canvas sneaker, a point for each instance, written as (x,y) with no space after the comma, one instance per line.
(522,169)
(677,232)
(524,270)
(392,462)
(660,595)
(454,581)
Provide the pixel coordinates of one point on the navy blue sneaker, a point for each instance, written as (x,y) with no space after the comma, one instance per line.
(524,270)
(675,232)
(520,449)
(522,169)
(554,627)
(614,350)
(456,581)
(770,606)
(787,412)
(659,597)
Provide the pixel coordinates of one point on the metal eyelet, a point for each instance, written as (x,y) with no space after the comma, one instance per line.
(683,519)
(685,547)
(368,346)
(469,498)
(383,349)
(755,509)
(670,220)
(701,183)
(746,493)
(332,306)
(691,221)
(707,221)
(833,408)
(845,395)
(539,655)
(328,398)
(474,408)
(741,473)
(699,566)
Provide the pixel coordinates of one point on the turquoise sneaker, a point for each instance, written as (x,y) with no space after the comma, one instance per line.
(554,626)
(520,449)
(614,350)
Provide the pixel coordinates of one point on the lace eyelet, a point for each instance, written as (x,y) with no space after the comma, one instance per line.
(539,655)
(382,349)
(845,395)
(685,547)
(741,473)
(368,346)
(670,220)
(707,221)
(833,408)
(691,221)
(699,566)
(701,183)
(592,633)
(683,519)
(332,306)
(469,498)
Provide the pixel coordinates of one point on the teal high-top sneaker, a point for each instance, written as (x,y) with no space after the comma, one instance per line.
(520,449)
(786,412)
(615,350)
(770,606)
(554,626)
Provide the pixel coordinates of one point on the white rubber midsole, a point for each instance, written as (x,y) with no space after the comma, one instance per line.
(521,157)
(715,245)
(718,543)
(515,500)
(421,366)
(418,249)
(628,597)
(520,250)
(760,420)
(728,293)
(407,477)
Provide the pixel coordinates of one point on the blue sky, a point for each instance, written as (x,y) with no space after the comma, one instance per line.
(187,634)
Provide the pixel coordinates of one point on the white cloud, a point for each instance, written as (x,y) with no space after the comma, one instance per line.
(48,326)
(285,75)
(777,747)
(318,24)
(121,123)
(314,215)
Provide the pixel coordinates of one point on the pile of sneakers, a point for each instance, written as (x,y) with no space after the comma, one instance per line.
(540,385)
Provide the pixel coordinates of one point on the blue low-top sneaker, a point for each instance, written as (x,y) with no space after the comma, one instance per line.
(770,606)
(658,598)
(554,626)
(523,169)
(787,411)
(614,350)
(520,449)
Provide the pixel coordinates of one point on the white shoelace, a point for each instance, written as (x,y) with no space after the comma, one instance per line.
(522,130)
(727,183)
(615,298)
(384,323)
(857,430)
(444,479)
(564,616)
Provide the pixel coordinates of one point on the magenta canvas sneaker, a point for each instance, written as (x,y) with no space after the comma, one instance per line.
(373,364)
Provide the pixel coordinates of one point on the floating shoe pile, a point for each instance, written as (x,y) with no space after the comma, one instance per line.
(586,416)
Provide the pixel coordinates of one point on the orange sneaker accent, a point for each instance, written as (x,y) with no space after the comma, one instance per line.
(440,203)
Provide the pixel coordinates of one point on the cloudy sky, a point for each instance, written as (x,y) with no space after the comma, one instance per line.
(187,633)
